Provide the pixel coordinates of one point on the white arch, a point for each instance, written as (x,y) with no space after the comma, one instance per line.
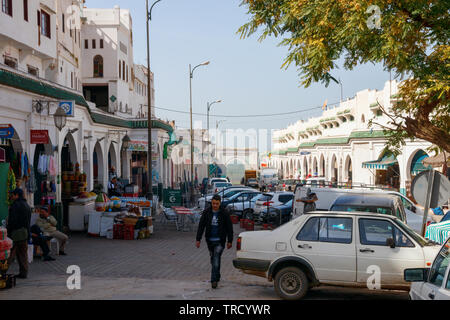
(100,165)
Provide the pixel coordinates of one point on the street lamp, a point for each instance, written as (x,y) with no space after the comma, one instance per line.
(149,102)
(126,142)
(60,118)
(209,105)
(191,76)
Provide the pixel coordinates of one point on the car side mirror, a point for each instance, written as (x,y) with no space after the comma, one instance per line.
(416,275)
(390,243)
(414,209)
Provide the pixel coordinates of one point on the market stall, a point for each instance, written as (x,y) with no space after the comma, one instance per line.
(438,232)
(6,280)
(120,218)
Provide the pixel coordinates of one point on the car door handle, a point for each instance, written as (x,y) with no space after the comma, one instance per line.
(431,295)
(305,246)
(366,250)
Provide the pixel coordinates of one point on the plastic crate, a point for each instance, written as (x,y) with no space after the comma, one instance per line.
(128,232)
(118,231)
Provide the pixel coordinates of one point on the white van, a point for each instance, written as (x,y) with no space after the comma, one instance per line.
(327,196)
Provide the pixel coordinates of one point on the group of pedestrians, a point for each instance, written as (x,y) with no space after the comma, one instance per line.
(21,232)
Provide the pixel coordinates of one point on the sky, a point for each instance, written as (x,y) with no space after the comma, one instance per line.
(245,74)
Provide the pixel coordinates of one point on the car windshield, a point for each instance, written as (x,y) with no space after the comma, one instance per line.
(352,208)
(265,197)
(222,184)
(417,237)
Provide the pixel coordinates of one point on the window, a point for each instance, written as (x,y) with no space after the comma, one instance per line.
(98,67)
(127,73)
(123,70)
(379,113)
(25,10)
(310,231)
(34,71)
(101,43)
(285,198)
(71,80)
(376,232)
(63,23)
(93,44)
(45,24)
(440,265)
(7,7)
(336,230)
(86,44)
(120,69)
(11,62)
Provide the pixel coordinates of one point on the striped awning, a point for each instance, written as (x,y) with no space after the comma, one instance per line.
(438,232)
(381,164)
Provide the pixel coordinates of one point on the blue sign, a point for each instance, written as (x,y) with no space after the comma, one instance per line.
(68,107)
(6,131)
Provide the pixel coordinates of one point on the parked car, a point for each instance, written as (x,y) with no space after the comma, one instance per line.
(335,248)
(212,180)
(327,196)
(225,193)
(316,182)
(253,183)
(245,208)
(239,199)
(278,215)
(219,186)
(434,283)
(271,199)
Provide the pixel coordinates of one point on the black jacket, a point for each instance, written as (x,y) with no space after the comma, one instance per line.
(19,216)
(225,226)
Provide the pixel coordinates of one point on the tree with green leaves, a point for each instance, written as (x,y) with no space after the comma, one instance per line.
(410,38)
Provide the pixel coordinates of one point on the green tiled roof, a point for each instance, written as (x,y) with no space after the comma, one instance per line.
(15,80)
(333,141)
(18,81)
(367,134)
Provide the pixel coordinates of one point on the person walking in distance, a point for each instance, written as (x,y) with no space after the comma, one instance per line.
(18,228)
(217,226)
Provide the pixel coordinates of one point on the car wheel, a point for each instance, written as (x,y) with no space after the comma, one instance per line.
(291,283)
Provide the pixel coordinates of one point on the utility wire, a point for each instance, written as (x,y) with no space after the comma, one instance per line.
(246,116)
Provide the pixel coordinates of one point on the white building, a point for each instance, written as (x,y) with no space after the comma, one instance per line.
(39,67)
(340,145)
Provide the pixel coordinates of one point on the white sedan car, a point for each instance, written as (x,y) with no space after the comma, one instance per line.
(335,248)
(434,283)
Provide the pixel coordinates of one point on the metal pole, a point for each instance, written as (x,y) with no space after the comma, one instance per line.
(149,117)
(192,135)
(207,126)
(427,201)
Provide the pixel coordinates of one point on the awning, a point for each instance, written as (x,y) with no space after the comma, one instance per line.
(381,164)
(417,165)
(437,161)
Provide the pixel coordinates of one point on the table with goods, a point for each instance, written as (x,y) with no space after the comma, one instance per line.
(120,218)
(7,281)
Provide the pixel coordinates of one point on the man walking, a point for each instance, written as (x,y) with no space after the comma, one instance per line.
(218,226)
(18,228)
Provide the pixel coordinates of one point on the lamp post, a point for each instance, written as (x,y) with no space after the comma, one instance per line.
(209,105)
(60,120)
(149,103)
(191,75)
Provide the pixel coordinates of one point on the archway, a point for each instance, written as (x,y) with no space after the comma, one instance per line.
(322,166)
(334,174)
(415,165)
(348,170)
(235,170)
(387,171)
(315,171)
(112,162)
(98,166)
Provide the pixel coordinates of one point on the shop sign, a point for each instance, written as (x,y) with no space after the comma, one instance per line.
(138,146)
(6,131)
(39,137)
(68,107)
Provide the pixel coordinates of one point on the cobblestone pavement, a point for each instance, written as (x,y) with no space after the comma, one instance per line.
(166,266)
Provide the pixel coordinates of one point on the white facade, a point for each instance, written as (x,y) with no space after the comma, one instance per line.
(338,143)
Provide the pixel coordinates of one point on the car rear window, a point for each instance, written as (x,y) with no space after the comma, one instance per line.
(222,184)
(265,197)
(327,229)
(345,208)
(283,198)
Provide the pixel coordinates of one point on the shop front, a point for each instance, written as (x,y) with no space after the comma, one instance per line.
(386,171)
(139,165)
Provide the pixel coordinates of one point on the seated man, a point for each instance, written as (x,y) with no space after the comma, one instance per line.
(40,240)
(48,223)
(113,188)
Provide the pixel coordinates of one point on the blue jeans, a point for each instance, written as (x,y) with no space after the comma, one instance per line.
(215,251)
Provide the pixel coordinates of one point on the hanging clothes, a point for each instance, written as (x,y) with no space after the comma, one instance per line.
(31,183)
(26,166)
(52,168)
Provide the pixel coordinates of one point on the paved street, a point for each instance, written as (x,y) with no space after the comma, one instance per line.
(166,266)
